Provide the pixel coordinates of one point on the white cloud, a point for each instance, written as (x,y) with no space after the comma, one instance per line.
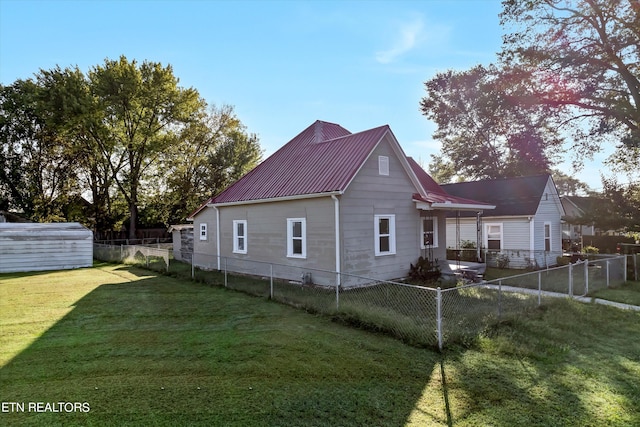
(408,37)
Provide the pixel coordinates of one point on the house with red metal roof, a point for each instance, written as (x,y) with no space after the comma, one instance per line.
(524,230)
(330,200)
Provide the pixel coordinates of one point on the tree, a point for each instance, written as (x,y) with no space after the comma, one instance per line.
(212,154)
(70,108)
(583,60)
(569,186)
(140,110)
(127,134)
(483,133)
(623,208)
(36,162)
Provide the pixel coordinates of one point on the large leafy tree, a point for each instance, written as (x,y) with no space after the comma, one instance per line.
(65,96)
(36,161)
(581,58)
(483,133)
(141,110)
(212,153)
(127,134)
(567,69)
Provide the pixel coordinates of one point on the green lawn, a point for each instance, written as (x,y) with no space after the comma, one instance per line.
(145,349)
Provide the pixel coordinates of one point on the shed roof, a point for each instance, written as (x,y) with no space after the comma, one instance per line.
(512,196)
(44,231)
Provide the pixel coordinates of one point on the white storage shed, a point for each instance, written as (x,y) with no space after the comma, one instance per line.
(38,247)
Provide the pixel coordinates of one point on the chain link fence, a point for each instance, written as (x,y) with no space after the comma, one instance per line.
(418,315)
(151,257)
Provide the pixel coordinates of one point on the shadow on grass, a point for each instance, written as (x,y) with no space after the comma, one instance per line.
(151,350)
(143,349)
(566,364)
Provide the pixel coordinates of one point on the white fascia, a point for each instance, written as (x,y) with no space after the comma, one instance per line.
(277,199)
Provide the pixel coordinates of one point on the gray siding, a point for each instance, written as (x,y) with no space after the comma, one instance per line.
(371,194)
(549,211)
(266,240)
(267,231)
(205,251)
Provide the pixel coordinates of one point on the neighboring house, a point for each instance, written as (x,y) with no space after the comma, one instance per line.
(524,230)
(51,246)
(574,224)
(329,200)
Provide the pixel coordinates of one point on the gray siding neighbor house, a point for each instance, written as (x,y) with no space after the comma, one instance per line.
(331,200)
(525,227)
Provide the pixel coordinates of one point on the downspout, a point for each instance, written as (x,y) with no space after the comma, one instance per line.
(532,246)
(336,211)
(217,236)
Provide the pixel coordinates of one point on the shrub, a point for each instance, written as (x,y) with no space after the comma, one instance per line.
(424,270)
(590,250)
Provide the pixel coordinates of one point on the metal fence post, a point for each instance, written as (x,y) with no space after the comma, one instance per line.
(499,299)
(607,273)
(193,268)
(271,281)
(338,295)
(439,316)
(570,280)
(624,270)
(586,277)
(539,288)
(225,272)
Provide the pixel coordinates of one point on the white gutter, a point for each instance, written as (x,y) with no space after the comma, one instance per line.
(461,206)
(218,235)
(532,245)
(277,199)
(336,210)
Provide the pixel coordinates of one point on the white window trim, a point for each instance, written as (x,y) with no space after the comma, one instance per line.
(203,231)
(377,235)
(290,224)
(236,236)
(486,234)
(435,233)
(383,165)
(544,231)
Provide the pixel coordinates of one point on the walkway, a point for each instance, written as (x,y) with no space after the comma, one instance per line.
(561,295)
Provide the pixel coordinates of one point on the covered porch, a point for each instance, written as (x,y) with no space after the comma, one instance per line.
(441,203)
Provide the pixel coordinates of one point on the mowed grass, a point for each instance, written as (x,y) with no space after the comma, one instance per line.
(144,349)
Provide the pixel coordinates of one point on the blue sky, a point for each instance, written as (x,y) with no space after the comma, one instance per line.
(282,64)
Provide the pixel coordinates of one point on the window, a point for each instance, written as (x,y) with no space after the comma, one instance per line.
(493,234)
(297,237)
(203,231)
(429,232)
(385,234)
(547,236)
(383,165)
(240,236)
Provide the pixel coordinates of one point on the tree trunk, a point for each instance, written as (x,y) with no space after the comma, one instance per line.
(133,219)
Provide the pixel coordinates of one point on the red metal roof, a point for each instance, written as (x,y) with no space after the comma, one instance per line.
(322,158)
(435,193)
